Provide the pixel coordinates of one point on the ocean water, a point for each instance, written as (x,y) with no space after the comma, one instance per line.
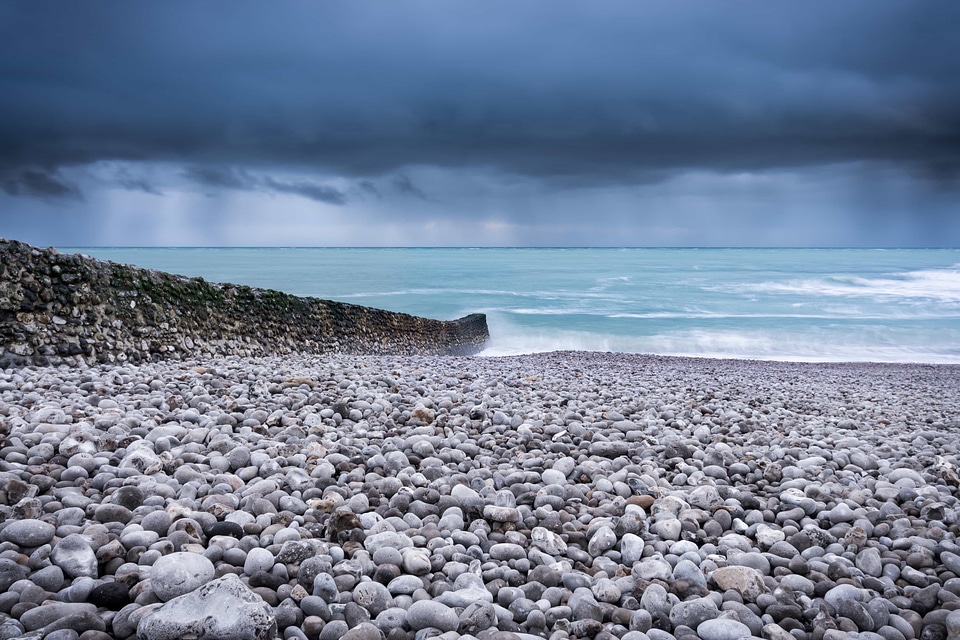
(884,305)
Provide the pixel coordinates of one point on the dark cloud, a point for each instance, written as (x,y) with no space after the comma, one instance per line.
(37,183)
(558,91)
(231,178)
(403,184)
(137,184)
(220,177)
(406,104)
(367,188)
(310,190)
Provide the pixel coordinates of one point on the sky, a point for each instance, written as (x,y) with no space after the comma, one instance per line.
(469,123)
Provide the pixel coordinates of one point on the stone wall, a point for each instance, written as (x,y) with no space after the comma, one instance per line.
(57,308)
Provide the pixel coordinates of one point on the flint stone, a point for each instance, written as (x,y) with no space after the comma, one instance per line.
(693,612)
(477,617)
(325,587)
(257,559)
(49,578)
(668,529)
(180,573)
(776,632)
(799,583)
(74,555)
(507,551)
(951,561)
(603,539)
(584,606)
(553,476)
(466,497)
(953,624)
(10,572)
(704,497)
(501,514)
(744,580)
(392,618)
(111,595)
(223,609)
(631,549)
(425,614)
(386,539)
(45,614)
(548,541)
(653,569)
(461,598)
(28,533)
(723,629)
(363,631)
(611,449)
(869,562)
(404,585)
(843,592)
(372,596)
(656,601)
(417,562)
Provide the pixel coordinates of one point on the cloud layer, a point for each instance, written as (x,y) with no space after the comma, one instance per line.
(409,112)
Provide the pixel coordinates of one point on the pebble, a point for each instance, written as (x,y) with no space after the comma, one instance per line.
(552,495)
(180,573)
(220,609)
(425,614)
(723,629)
(75,557)
(28,533)
(746,581)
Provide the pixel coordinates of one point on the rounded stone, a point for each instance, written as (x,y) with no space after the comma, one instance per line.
(693,612)
(425,614)
(222,608)
(723,629)
(631,549)
(179,573)
(372,596)
(74,555)
(110,595)
(258,559)
(28,533)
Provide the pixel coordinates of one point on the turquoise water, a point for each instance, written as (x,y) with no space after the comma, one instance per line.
(888,305)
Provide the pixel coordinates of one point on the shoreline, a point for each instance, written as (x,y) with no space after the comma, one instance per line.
(559,495)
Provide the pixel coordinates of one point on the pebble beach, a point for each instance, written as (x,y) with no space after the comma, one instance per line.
(559,495)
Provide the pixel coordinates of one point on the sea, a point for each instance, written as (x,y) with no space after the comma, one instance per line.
(821,305)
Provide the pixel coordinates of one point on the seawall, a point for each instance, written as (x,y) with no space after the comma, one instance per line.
(71,309)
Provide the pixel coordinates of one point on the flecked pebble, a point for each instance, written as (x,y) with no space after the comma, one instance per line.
(372,596)
(653,569)
(75,557)
(691,613)
(603,539)
(548,541)
(223,609)
(744,580)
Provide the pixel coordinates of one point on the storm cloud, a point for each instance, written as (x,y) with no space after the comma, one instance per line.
(490,111)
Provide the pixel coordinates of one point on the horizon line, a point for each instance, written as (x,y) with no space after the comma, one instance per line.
(521,247)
